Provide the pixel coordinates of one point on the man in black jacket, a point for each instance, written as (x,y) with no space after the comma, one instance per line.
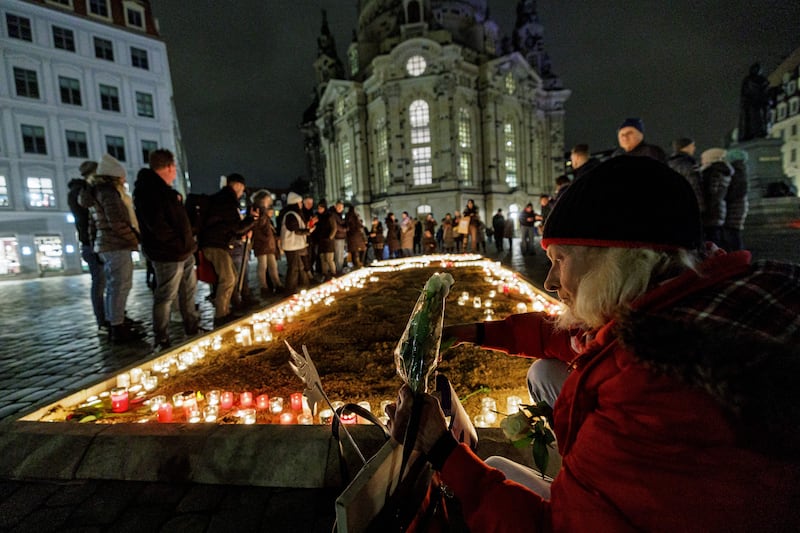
(630,136)
(168,243)
(221,225)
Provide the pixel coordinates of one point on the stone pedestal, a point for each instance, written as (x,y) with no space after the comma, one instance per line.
(764,165)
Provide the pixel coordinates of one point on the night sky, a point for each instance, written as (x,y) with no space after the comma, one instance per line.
(242,71)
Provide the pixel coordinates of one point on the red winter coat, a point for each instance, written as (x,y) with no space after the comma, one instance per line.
(645,447)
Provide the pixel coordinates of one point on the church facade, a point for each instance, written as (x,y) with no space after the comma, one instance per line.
(432,108)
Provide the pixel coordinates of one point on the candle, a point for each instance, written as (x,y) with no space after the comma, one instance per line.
(513,404)
(522,308)
(276,404)
(136,375)
(193,414)
(210,413)
(348,417)
(226,400)
(156,402)
(480,421)
(123,381)
(305,419)
(367,407)
(119,400)
(150,383)
(287,418)
(165,412)
(296,400)
(177,399)
(489,410)
(246,399)
(325,416)
(213,397)
(476,302)
(248,416)
(262,402)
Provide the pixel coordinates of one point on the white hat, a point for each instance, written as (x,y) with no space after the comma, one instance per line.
(712,155)
(293,198)
(110,167)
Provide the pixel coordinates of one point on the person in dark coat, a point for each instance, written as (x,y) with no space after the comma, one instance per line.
(117,236)
(471,239)
(324,235)
(527,221)
(168,243)
(356,237)
(683,162)
(736,202)
(716,175)
(86,236)
(630,135)
(582,160)
(429,235)
(266,244)
(376,240)
(498,226)
(222,225)
(393,235)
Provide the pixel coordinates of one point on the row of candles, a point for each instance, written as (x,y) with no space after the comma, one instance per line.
(137,383)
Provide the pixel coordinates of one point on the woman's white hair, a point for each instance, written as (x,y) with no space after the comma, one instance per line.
(616,278)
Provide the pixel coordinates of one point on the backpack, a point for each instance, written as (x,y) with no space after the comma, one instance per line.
(197,210)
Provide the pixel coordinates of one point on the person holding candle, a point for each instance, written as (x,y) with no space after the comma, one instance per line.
(168,243)
(679,412)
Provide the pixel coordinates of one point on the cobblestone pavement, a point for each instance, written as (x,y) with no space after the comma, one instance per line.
(50,347)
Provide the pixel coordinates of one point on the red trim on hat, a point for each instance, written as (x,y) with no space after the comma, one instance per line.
(610,244)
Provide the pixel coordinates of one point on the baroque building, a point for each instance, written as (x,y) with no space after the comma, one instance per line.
(433,107)
(785,113)
(81,78)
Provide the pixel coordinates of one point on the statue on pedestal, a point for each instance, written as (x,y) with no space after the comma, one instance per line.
(754,107)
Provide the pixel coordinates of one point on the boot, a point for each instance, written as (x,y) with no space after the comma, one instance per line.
(123,333)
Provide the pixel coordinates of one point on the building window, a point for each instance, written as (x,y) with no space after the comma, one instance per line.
(76,144)
(134,15)
(139,58)
(144,105)
(510,149)
(63,38)
(793,155)
(347,171)
(103,49)
(419,117)
(782,111)
(33,141)
(62,3)
(115,147)
(99,8)
(40,192)
(352,57)
(382,155)
(416,65)
(511,83)
(109,98)
(26,83)
(3,192)
(70,89)
(794,106)
(147,148)
(423,210)
(19,27)
(465,144)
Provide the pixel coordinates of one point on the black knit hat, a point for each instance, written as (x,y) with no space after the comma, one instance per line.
(235,178)
(627,202)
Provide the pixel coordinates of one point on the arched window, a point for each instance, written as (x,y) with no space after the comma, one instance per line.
(419,118)
(381,156)
(347,171)
(510,154)
(465,146)
(414,14)
(423,209)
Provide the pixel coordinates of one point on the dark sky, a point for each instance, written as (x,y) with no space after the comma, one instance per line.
(242,71)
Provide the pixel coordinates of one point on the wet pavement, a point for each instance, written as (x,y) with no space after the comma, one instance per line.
(50,347)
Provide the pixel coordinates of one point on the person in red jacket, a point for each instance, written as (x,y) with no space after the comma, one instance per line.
(679,412)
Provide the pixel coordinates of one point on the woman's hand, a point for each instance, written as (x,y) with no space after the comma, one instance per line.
(432,423)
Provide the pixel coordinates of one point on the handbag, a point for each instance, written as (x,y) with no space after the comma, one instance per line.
(205,270)
(463,225)
(379,500)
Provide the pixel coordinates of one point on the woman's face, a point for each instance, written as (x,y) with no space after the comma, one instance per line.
(569,265)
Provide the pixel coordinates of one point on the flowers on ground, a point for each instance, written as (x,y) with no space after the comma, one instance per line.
(530,426)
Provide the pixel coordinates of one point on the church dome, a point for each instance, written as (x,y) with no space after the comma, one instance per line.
(379,19)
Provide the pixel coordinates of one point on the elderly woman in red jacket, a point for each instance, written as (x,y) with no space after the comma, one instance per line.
(679,412)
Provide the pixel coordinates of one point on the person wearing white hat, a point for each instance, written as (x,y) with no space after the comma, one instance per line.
(293,238)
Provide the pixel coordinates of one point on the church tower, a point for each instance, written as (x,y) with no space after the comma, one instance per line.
(434,111)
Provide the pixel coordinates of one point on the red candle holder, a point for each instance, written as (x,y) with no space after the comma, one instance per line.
(262,402)
(165,412)
(287,418)
(119,400)
(296,400)
(226,400)
(246,399)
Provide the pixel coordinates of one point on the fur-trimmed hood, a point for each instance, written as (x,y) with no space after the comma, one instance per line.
(737,337)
